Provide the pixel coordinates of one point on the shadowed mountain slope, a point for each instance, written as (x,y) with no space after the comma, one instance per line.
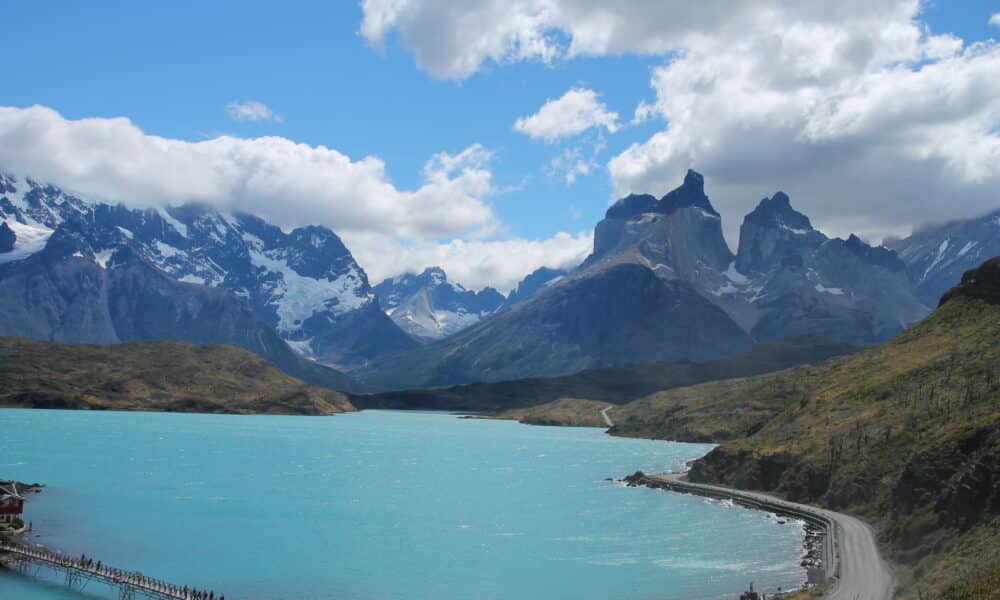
(615,385)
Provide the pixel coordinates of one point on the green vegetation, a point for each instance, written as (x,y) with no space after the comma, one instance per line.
(981,586)
(906,435)
(565,411)
(156,376)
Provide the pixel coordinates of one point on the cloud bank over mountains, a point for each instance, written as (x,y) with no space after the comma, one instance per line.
(868,119)
(871,121)
(290,184)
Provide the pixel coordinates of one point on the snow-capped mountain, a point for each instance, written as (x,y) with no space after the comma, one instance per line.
(429,307)
(937,256)
(305,284)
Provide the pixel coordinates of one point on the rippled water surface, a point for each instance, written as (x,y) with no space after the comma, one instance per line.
(378,505)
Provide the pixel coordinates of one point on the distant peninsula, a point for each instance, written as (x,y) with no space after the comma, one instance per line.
(156,376)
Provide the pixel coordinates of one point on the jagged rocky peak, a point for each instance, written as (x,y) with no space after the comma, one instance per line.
(875,255)
(534,282)
(777,211)
(775,234)
(428,306)
(678,235)
(7,183)
(7,238)
(631,206)
(691,194)
(394,291)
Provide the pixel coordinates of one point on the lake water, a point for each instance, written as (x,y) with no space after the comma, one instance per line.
(376,506)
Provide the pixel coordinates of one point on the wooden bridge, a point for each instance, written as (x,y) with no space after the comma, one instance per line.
(80,571)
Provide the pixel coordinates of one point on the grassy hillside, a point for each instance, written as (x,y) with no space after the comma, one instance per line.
(906,435)
(577,399)
(158,376)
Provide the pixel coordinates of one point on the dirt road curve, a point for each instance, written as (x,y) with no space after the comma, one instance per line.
(607,419)
(863,573)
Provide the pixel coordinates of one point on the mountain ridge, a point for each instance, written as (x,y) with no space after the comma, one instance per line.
(429,307)
(304,284)
(786,280)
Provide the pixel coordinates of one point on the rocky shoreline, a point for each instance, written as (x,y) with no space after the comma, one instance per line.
(815,545)
(31,488)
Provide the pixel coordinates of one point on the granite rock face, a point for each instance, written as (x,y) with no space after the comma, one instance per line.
(7,238)
(774,233)
(534,282)
(787,279)
(680,235)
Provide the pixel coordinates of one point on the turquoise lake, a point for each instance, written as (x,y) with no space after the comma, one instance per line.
(379,505)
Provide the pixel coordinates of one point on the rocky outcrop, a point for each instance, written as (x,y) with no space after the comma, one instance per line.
(952,485)
(7,238)
(981,283)
(534,282)
(745,469)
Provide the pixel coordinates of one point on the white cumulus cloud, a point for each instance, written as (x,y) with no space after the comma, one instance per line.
(995,19)
(870,121)
(453,40)
(252,110)
(576,111)
(474,263)
(288,183)
(871,127)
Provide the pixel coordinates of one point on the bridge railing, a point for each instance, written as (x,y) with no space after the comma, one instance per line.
(98,569)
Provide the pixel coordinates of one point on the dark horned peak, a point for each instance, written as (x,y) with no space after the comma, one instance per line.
(877,255)
(691,193)
(777,211)
(631,205)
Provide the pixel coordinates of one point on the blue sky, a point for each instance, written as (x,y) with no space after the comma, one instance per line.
(172,68)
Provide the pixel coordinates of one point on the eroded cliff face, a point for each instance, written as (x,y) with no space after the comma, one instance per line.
(678,236)
(787,278)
